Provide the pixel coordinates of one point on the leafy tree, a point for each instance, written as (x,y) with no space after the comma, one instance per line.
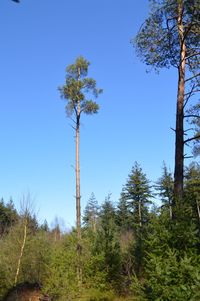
(60,277)
(170,36)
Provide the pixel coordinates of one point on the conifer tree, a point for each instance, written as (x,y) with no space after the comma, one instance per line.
(107,243)
(137,193)
(78,92)
(91,213)
(170,36)
(192,189)
(165,188)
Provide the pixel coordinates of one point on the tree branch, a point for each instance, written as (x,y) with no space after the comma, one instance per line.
(191,55)
(191,116)
(192,138)
(189,95)
(190,78)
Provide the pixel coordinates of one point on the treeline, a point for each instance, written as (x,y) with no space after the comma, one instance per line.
(132,249)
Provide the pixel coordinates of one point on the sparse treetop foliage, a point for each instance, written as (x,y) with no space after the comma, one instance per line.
(80,89)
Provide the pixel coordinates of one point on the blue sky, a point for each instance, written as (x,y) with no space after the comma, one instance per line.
(38,40)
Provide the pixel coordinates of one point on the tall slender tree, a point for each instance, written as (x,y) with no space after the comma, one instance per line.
(78,91)
(170,36)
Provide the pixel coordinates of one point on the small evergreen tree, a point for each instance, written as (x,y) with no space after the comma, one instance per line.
(107,244)
(165,188)
(137,193)
(91,213)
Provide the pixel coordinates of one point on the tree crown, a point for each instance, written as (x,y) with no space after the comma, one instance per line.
(79,90)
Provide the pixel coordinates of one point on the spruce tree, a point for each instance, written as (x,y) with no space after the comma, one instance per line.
(165,188)
(108,245)
(91,213)
(137,193)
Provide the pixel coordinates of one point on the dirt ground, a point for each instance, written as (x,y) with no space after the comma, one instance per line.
(26,292)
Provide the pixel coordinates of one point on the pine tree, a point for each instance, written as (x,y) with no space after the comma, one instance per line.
(170,36)
(77,91)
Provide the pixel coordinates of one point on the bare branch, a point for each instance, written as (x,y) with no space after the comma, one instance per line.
(194,76)
(194,91)
(189,95)
(194,54)
(191,116)
(192,138)
(188,157)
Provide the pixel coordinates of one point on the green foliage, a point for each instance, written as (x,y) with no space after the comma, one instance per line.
(192,193)
(8,216)
(137,193)
(107,244)
(121,259)
(60,279)
(194,121)
(171,277)
(157,43)
(91,213)
(165,188)
(98,295)
(79,89)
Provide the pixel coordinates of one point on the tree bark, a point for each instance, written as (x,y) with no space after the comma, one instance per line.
(78,195)
(179,141)
(21,251)
(140,213)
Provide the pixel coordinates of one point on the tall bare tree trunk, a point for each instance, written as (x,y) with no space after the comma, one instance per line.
(78,195)
(179,144)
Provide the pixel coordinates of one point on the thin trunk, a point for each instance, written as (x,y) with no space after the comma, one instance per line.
(170,212)
(78,195)
(21,252)
(198,209)
(179,144)
(140,214)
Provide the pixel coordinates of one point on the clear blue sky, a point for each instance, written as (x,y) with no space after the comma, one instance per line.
(38,39)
